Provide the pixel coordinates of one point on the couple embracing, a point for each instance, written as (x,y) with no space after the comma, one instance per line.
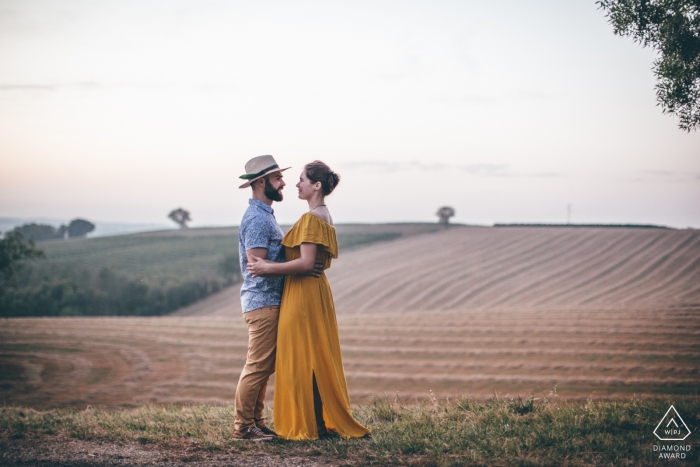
(288,307)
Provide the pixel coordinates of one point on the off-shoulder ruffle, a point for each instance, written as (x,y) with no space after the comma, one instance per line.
(311,229)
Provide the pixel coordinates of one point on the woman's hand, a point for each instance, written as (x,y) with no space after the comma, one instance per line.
(258,266)
(317,270)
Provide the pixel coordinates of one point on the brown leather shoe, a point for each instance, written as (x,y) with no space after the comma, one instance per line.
(268,431)
(252,433)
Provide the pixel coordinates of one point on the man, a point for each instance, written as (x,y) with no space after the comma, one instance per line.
(261,236)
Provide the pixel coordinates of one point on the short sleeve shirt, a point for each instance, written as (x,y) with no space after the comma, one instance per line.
(259,229)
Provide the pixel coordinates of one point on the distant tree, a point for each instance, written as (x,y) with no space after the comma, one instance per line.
(444,213)
(40,232)
(80,228)
(672,28)
(13,250)
(180,217)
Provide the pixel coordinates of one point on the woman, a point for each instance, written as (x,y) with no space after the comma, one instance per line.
(311,395)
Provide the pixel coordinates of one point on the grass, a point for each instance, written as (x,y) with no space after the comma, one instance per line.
(499,431)
(155,259)
(166,258)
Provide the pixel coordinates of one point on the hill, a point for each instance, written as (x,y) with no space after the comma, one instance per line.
(472,268)
(139,274)
(492,268)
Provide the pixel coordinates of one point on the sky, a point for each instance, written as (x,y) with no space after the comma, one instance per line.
(508,111)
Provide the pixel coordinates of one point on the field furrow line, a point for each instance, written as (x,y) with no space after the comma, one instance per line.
(630,267)
(549,316)
(680,268)
(65,389)
(687,291)
(423,267)
(666,331)
(174,342)
(542,285)
(681,294)
(595,275)
(472,263)
(589,256)
(691,296)
(516,270)
(551,272)
(371,273)
(424,272)
(459,293)
(552,378)
(511,366)
(562,341)
(499,264)
(649,270)
(371,259)
(428,280)
(511,351)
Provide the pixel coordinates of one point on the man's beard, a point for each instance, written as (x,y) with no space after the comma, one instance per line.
(271,193)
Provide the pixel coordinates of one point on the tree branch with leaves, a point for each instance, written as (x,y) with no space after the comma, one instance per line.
(13,251)
(672,28)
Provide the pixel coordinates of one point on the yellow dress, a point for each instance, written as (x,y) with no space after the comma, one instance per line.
(308,344)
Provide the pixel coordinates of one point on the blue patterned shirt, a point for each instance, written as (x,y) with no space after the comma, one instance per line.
(259,229)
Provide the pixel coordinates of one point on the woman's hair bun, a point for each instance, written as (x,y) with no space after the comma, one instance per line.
(333,179)
(318,171)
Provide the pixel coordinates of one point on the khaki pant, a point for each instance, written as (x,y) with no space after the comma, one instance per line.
(259,366)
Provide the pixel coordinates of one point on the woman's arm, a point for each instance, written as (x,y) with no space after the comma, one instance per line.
(303,265)
(259,253)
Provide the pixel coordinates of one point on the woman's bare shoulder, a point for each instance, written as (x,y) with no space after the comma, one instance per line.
(323,215)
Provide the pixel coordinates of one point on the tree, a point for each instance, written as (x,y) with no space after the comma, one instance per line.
(672,28)
(40,232)
(180,217)
(444,213)
(80,228)
(13,250)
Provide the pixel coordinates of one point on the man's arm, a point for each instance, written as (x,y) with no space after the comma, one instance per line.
(259,252)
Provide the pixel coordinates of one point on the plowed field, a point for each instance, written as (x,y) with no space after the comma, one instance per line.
(595,312)
(523,268)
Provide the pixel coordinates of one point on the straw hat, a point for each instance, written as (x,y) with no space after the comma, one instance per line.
(258,167)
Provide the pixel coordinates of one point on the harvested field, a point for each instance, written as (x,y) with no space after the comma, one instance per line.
(57,362)
(511,268)
(520,268)
(600,313)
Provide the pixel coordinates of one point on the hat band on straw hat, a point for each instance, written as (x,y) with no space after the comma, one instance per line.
(255,175)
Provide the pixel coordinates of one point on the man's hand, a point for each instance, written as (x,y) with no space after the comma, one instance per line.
(317,270)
